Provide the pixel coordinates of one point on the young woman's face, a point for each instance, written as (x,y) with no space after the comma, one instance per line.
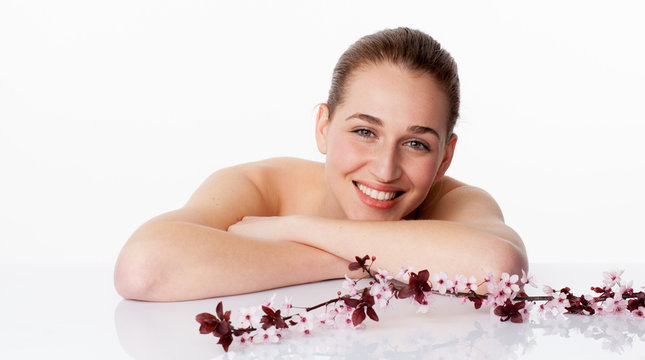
(386,144)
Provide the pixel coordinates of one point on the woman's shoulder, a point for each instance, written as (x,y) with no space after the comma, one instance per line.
(450,198)
(286,182)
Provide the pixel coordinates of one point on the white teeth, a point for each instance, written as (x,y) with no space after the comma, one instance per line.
(375,194)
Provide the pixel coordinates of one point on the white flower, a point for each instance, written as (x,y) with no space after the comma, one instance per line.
(612,277)
(305,325)
(265,336)
(508,284)
(440,282)
(460,283)
(249,316)
(381,293)
(382,276)
(404,274)
(528,279)
(350,285)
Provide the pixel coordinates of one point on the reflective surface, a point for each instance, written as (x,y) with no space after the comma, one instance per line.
(73,312)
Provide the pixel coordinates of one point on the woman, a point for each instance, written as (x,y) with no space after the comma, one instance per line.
(387,133)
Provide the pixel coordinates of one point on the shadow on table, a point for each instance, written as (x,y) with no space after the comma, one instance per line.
(169,331)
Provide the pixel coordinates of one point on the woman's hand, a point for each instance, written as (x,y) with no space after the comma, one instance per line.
(269,228)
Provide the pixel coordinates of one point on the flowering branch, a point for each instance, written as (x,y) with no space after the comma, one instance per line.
(505,297)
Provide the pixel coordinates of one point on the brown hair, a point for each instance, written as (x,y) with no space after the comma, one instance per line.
(413,49)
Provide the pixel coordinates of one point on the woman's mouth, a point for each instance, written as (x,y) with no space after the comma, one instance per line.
(377,198)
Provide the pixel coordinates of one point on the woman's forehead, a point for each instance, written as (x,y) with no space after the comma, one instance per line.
(394,94)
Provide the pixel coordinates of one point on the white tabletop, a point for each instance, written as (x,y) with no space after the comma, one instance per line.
(74,312)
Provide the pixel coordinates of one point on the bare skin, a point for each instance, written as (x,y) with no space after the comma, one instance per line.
(278,222)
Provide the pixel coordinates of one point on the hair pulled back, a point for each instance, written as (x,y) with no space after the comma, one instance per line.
(412,49)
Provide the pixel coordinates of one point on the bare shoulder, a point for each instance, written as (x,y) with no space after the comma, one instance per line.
(251,189)
(454,200)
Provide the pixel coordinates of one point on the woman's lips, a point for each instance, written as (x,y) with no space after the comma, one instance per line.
(377,196)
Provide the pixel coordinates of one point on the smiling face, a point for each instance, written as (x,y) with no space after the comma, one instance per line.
(386,144)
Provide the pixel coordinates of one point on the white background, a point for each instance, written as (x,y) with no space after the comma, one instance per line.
(112,112)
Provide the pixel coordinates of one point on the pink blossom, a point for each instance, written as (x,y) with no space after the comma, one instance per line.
(305,325)
(265,336)
(472,283)
(381,293)
(245,338)
(404,273)
(460,283)
(440,282)
(508,284)
(559,302)
(626,288)
(382,276)
(249,316)
(269,303)
(496,294)
(288,303)
(528,279)
(615,305)
(612,277)
(326,319)
(350,285)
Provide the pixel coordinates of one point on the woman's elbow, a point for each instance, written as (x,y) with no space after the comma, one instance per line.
(133,278)
(511,258)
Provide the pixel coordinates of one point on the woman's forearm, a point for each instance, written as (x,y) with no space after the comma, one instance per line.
(424,244)
(170,261)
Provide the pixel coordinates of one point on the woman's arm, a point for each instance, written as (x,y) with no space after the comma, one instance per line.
(466,236)
(188,254)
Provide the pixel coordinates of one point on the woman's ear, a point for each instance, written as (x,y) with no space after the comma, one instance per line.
(447,156)
(322,124)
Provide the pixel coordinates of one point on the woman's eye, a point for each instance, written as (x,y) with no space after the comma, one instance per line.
(364,132)
(417,145)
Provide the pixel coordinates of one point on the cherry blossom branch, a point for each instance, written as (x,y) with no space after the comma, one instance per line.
(504,296)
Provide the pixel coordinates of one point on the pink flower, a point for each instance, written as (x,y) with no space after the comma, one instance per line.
(615,305)
(528,279)
(472,283)
(305,325)
(508,284)
(460,283)
(381,293)
(245,338)
(382,276)
(440,282)
(612,277)
(287,303)
(266,336)
(249,316)
(269,302)
(350,285)
(404,274)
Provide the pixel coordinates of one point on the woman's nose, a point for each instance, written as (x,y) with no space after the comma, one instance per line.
(385,164)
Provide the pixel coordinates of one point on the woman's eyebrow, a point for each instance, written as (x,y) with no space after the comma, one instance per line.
(415,129)
(369,118)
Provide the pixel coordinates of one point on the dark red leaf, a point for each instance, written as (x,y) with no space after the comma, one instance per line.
(424,275)
(225,341)
(354,266)
(358,316)
(267,310)
(405,292)
(208,322)
(372,314)
(220,310)
(351,302)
